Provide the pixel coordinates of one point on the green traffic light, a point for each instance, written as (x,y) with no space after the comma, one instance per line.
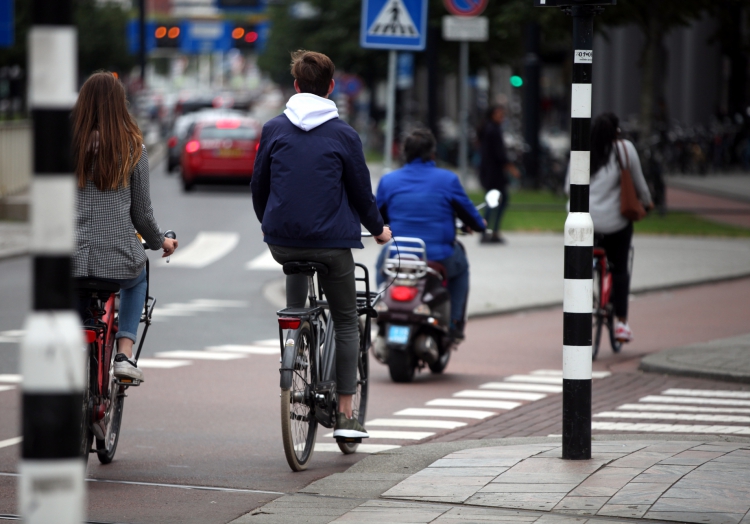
(516,81)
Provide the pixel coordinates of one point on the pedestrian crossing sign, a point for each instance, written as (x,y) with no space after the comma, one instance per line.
(394,24)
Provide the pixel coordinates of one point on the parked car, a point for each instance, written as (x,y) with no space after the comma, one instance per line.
(183,128)
(220,151)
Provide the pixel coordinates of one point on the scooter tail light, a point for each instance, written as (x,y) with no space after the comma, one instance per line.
(404,293)
(289,323)
(89,335)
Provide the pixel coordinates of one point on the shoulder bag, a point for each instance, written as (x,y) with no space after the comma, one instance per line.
(630,206)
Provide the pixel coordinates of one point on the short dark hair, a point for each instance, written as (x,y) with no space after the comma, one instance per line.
(420,143)
(313,72)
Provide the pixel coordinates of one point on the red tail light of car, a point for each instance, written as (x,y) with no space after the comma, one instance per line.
(404,293)
(192,146)
(172,141)
(257,146)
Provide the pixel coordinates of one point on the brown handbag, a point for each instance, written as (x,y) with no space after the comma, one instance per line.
(630,206)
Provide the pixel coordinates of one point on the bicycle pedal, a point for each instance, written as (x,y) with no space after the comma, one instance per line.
(349,440)
(127,382)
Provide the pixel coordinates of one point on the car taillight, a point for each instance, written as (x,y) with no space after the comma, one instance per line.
(172,141)
(404,293)
(192,146)
(257,146)
(289,323)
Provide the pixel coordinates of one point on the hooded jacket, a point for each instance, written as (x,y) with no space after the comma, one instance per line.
(311,186)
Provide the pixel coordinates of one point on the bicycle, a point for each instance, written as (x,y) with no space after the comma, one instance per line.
(104,395)
(603,310)
(308,366)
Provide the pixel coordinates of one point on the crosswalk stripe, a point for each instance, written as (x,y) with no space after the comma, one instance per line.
(238,348)
(200,355)
(273,342)
(558,373)
(707,393)
(414,423)
(695,400)
(535,379)
(698,417)
(448,413)
(395,435)
(674,407)
(264,261)
(7,388)
(326,447)
(10,442)
(670,428)
(515,386)
(461,403)
(12,379)
(205,249)
(161,364)
(507,395)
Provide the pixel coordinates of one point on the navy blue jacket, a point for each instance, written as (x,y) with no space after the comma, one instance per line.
(421,200)
(311,189)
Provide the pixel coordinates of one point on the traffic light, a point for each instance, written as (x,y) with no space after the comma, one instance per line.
(244,36)
(516,81)
(167,35)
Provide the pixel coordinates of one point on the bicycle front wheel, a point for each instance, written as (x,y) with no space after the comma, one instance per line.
(298,423)
(106,447)
(359,401)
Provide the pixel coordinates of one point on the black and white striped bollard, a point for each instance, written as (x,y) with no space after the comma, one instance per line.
(52,353)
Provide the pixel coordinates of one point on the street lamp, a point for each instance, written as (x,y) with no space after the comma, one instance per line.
(579,237)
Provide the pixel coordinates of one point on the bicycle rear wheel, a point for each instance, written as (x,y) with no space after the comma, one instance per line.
(106,447)
(359,401)
(298,423)
(598,313)
(616,344)
(86,435)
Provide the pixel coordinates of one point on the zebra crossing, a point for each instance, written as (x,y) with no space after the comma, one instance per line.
(677,410)
(489,399)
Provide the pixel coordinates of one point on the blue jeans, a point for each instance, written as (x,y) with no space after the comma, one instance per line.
(132,300)
(457,266)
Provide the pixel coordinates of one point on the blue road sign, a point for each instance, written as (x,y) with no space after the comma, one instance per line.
(206,36)
(7,20)
(394,24)
(133,33)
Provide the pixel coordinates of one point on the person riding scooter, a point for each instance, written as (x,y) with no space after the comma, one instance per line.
(421,200)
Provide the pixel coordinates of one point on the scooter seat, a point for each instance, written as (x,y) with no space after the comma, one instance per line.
(304,268)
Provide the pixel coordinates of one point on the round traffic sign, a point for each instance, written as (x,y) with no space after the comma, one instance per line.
(465,7)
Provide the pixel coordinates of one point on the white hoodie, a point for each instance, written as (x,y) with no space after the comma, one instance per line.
(307,111)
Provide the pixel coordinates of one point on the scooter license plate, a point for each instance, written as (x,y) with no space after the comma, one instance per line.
(398,334)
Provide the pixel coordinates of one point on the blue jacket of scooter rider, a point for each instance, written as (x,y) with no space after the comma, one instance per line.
(421,200)
(311,186)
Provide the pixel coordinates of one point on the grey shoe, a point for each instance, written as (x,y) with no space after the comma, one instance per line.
(348,428)
(126,368)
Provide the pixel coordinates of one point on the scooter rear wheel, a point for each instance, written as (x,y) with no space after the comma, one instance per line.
(401,365)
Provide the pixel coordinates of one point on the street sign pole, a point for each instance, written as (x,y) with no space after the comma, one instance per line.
(463,111)
(142,40)
(390,115)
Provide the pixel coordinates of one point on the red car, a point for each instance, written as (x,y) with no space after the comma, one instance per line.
(220,150)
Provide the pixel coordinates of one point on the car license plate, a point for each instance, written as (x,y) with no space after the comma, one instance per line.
(229,153)
(398,334)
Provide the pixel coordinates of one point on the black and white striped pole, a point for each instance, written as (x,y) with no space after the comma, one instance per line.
(52,470)
(579,239)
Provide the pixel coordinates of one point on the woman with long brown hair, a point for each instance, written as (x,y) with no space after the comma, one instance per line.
(113,203)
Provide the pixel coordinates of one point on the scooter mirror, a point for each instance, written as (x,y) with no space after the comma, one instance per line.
(493,198)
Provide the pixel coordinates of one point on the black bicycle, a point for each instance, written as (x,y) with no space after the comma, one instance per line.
(308,366)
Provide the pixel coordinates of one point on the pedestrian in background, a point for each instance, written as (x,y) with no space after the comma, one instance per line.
(493,169)
(612,231)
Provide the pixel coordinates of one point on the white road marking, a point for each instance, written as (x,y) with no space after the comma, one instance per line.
(13,379)
(215,302)
(268,342)
(461,403)
(395,435)
(673,407)
(10,442)
(558,373)
(449,413)
(535,379)
(161,364)
(697,417)
(12,336)
(707,393)
(264,261)
(513,386)
(362,448)
(695,400)
(200,355)
(7,388)
(414,423)
(205,249)
(507,395)
(248,350)
(670,428)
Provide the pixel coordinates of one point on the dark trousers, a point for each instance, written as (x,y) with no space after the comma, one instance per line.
(617,246)
(341,293)
(495,216)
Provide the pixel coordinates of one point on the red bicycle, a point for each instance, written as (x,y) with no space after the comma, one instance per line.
(603,310)
(104,395)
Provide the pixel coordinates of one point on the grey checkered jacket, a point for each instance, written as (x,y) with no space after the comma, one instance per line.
(106,221)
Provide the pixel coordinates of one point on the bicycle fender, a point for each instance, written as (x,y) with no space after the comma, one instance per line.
(287,366)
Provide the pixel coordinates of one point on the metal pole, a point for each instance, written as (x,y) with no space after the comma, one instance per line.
(390,116)
(463,111)
(142,40)
(579,241)
(52,470)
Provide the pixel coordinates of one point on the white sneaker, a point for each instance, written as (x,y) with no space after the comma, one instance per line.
(623,333)
(126,368)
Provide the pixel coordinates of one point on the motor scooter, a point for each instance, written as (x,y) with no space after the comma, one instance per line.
(414,314)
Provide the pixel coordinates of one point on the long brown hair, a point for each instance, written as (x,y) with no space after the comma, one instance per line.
(106,139)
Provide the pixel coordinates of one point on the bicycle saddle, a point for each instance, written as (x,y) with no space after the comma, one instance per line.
(305,268)
(95,285)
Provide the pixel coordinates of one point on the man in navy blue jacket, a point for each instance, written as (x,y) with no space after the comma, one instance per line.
(311,191)
(420,200)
